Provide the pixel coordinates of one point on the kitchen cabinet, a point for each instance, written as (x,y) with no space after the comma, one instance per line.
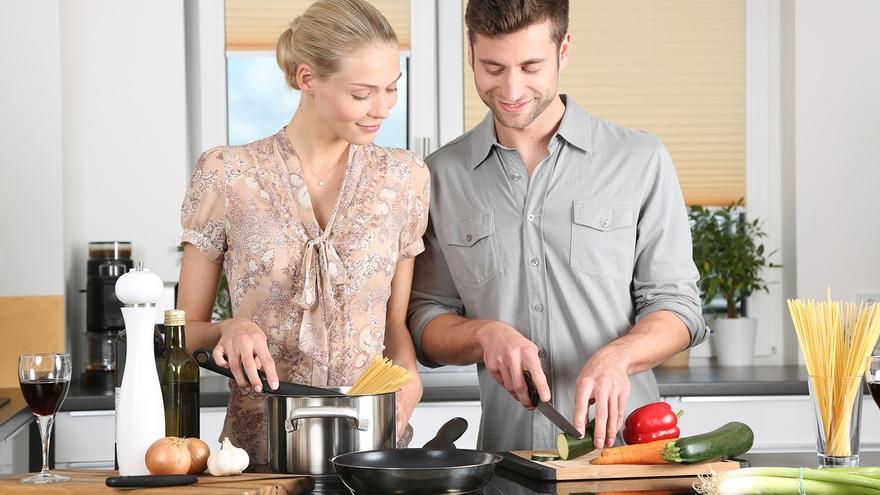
(426,420)
(211,425)
(14,450)
(782,423)
(84,439)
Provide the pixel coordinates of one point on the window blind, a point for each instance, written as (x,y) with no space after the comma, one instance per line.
(255,25)
(674,68)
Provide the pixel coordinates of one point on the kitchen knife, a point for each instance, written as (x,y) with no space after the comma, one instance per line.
(206,360)
(548,410)
(151,480)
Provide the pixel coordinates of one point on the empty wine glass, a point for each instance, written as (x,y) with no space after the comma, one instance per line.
(44,380)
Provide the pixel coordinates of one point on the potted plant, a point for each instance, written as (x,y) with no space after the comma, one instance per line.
(730,258)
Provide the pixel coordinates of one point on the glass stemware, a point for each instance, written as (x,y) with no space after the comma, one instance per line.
(44,381)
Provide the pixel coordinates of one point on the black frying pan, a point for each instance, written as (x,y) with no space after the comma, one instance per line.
(206,360)
(426,471)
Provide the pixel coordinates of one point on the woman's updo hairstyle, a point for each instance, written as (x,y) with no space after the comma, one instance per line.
(327,32)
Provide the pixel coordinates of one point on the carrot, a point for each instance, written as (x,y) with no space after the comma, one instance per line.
(640,453)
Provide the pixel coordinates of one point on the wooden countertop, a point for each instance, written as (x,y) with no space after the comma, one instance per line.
(91,481)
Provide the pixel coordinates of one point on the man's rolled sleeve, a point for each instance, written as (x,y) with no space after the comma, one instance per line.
(433,293)
(665,276)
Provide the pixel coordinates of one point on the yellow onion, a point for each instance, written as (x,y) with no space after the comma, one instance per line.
(199,452)
(168,455)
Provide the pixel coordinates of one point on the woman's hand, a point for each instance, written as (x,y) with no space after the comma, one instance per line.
(243,349)
(406,400)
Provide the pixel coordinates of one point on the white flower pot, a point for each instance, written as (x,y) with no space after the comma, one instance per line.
(734,341)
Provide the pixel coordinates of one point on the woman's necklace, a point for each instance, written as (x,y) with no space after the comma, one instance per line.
(322,181)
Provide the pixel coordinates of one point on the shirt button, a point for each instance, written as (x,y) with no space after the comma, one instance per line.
(534,261)
(605,223)
(516,176)
(542,353)
(539,307)
(531,218)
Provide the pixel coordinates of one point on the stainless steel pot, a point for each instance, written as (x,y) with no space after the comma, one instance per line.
(305,432)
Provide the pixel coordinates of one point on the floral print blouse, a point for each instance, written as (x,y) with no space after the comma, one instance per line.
(319,296)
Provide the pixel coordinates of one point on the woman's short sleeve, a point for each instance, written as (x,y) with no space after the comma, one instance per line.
(411,243)
(203,214)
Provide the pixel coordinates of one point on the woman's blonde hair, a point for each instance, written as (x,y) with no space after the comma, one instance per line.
(327,32)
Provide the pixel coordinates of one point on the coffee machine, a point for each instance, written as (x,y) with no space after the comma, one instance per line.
(108,260)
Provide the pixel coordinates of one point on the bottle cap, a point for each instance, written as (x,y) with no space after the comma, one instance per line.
(175,317)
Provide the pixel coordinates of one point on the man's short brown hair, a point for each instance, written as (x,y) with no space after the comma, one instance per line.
(495,18)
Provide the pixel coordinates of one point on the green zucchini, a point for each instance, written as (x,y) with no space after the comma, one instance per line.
(731,440)
(570,447)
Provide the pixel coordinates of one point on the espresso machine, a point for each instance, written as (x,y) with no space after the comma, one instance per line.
(108,260)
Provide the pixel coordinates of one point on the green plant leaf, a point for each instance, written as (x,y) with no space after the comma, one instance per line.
(726,253)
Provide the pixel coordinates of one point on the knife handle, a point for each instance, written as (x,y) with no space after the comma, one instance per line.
(151,480)
(533,391)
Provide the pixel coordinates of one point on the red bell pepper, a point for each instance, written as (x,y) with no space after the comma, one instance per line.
(651,422)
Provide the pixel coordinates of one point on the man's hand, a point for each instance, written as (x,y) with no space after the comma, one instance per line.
(506,354)
(605,382)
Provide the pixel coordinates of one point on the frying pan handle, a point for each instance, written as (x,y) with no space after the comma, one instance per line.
(206,360)
(325,412)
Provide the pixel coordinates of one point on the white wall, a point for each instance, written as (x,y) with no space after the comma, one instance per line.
(125,135)
(837,146)
(30,140)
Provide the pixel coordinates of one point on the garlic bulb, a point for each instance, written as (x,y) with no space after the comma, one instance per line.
(228,460)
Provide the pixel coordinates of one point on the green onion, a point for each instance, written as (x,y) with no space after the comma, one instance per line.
(872,471)
(784,481)
(771,485)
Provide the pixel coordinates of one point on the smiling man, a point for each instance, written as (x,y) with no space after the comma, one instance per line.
(558,244)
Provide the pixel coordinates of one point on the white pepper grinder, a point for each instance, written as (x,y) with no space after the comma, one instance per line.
(140,419)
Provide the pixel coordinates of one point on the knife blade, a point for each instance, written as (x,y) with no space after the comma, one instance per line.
(548,410)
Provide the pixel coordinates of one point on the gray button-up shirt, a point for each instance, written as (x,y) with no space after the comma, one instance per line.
(571,257)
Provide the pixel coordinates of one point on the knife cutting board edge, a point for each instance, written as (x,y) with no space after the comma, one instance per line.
(580,469)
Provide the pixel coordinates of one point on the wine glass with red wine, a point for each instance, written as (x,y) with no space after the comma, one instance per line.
(44,380)
(872,378)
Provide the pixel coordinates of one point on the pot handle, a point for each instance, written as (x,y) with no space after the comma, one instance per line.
(325,412)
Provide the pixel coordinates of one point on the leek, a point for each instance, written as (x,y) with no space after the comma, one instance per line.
(784,481)
(872,471)
(771,485)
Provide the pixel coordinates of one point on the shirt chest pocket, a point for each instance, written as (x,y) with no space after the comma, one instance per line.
(602,238)
(472,251)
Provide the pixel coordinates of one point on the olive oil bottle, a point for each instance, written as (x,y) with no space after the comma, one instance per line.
(179,379)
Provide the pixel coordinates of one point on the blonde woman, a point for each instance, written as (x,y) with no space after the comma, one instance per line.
(315,227)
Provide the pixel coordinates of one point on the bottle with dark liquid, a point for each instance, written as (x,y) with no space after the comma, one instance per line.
(179,378)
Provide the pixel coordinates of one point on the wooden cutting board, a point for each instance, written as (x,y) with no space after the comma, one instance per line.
(89,481)
(581,469)
(639,486)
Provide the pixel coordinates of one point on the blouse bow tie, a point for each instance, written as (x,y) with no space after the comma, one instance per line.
(322,272)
